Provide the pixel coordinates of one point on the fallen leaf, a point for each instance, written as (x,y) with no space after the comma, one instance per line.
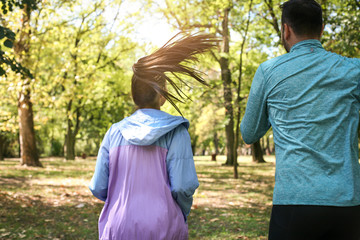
(81,205)
(214,219)
(21,235)
(5,234)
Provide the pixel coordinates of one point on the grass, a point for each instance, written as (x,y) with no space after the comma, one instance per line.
(54,202)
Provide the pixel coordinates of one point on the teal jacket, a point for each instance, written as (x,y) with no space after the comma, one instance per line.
(310,97)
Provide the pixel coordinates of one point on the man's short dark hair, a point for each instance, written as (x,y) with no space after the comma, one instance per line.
(303,16)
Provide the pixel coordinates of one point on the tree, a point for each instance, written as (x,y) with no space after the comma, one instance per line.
(341,33)
(257,153)
(191,17)
(227,81)
(87,47)
(211,120)
(3,145)
(90,75)
(77,58)
(29,155)
(238,97)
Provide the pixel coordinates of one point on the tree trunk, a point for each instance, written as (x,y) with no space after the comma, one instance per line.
(216,143)
(29,155)
(70,145)
(226,80)
(193,144)
(72,131)
(268,150)
(238,97)
(257,154)
(2,146)
(19,145)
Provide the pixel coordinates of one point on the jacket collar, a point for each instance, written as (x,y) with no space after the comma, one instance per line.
(312,43)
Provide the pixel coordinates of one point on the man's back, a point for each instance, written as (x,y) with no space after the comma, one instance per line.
(311,99)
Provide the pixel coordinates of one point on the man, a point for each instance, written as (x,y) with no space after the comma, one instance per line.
(310,98)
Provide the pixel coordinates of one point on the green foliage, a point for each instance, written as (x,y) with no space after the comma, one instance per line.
(75,55)
(5,60)
(8,38)
(8,5)
(341,33)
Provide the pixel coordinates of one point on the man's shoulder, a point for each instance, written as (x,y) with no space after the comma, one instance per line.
(273,62)
(330,55)
(354,61)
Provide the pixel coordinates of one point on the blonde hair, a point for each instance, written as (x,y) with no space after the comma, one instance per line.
(149,78)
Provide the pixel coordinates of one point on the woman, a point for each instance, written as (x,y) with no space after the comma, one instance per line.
(145,170)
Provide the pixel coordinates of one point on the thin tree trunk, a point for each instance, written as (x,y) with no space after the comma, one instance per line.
(238,98)
(71,133)
(268,150)
(193,144)
(69,141)
(226,80)
(257,154)
(70,145)
(70,138)
(29,155)
(216,146)
(2,146)
(216,143)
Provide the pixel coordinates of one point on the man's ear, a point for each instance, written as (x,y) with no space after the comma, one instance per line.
(322,30)
(287,32)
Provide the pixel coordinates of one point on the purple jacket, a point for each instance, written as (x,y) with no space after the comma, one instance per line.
(146,175)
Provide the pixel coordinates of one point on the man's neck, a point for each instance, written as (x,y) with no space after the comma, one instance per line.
(296,40)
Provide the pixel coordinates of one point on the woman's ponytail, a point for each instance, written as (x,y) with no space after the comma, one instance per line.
(149,78)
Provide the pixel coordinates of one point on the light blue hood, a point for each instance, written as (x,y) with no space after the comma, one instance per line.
(145,126)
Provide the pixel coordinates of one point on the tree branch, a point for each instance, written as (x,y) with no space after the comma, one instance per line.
(274,22)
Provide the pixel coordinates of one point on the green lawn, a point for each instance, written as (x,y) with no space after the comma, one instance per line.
(54,202)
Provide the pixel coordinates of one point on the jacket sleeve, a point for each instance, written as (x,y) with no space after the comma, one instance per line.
(255,122)
(181,169)
(99,182)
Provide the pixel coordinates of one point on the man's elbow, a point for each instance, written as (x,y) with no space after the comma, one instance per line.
(247,136)
(248,140)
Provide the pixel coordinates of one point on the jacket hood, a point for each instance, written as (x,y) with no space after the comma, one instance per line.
(145,126)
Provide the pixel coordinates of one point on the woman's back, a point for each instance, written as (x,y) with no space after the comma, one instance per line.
(139,202)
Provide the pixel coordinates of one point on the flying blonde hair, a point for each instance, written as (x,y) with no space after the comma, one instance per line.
(149,78)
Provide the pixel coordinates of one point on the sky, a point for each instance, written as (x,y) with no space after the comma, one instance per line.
(150,29)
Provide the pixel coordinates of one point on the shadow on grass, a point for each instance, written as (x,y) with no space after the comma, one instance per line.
(27,217)
(224,223)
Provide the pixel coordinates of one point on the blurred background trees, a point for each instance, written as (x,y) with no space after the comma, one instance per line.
(66,67)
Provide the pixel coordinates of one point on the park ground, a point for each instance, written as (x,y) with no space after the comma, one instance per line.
(54,202)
